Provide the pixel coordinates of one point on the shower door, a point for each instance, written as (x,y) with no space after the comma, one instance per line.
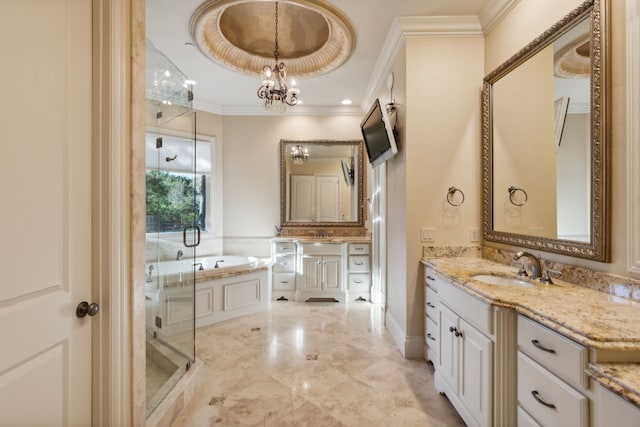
(173,215)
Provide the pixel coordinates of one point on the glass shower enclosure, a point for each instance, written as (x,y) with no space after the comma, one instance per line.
(172,226)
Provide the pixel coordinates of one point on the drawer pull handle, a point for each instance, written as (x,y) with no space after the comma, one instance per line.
(537,344)
(431,337)
(357,281)
(540,400)
(431,305)
(431,278)
(358,263)
(284,281)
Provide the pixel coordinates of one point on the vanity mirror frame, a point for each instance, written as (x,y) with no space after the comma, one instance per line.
(597,249)
(359,223)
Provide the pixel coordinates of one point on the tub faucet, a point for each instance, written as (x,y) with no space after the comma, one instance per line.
(536,268)
(179,255)
(200,264)
(218,261)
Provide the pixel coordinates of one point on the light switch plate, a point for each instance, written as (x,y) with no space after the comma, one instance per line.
(427,235)
(474,234)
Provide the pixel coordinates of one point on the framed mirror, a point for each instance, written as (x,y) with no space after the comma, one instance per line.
(321,183)
(545,140)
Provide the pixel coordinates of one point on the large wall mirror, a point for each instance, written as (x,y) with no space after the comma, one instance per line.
(545,140)
(321,183)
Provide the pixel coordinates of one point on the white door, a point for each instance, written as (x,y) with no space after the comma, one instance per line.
(448,346)
(45,212)
(327,198)
(303,198)
(311,273)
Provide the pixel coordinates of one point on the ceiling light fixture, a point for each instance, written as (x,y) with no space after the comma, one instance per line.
(268,91)
(299,154)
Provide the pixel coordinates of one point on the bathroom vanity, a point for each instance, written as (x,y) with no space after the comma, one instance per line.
(338,268)
(509,352)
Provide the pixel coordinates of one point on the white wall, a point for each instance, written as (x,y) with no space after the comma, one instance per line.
(251,158)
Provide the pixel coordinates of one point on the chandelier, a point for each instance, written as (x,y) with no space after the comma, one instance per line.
(299,154)
(268,91)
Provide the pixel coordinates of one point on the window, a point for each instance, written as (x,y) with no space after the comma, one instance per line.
(178,182)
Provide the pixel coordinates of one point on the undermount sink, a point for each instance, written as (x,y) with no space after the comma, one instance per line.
(502,280)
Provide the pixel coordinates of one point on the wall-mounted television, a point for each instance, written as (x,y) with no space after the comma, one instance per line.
(378,135)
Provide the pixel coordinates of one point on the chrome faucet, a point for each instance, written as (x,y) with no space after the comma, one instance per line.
(536,268)
(200,264)
(179,255)
(218,261)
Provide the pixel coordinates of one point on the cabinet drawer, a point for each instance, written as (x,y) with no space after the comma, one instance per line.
(431,337)
(285,263)
(431,340)
(525,420)
(359,249)
(358,263)
(285,248)
(431,306)
(322,248)
(359,282)
(476,312)
(549,400)
(284,281)
(560,355)
(431,279)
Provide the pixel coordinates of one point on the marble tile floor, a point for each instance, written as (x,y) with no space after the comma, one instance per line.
(319,364)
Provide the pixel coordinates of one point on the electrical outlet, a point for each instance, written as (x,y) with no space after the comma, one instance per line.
(427,235)
(474,234)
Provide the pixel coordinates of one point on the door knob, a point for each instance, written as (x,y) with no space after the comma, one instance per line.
(85,308)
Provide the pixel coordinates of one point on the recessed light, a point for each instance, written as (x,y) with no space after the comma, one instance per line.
(346,102)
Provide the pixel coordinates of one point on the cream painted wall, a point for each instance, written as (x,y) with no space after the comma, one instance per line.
(439,147)
(251,157)
(527,20)
(442,150)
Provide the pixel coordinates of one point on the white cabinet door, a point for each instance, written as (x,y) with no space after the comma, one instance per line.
(312,273)
(331,272)
(475,372)
(321,273)
(448,348)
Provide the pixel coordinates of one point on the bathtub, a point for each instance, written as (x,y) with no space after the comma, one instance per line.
(238,286)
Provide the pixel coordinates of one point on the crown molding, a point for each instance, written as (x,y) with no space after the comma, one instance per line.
(258,110)
(404,27)
(494,11)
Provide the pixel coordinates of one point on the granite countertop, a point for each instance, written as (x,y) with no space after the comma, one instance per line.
(329,239)
(622,379)
(594,319)
(211,274)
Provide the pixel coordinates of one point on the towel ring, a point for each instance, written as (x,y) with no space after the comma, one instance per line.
(451,194)
(512,191)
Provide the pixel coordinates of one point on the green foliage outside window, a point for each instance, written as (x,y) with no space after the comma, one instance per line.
(174,201)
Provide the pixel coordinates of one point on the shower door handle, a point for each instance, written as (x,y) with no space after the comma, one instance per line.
(184,236)
(85,308)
